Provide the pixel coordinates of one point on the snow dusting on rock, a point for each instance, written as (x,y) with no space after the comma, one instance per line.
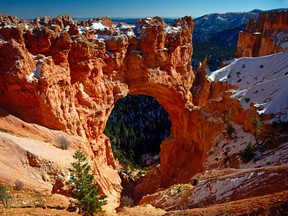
(172,30)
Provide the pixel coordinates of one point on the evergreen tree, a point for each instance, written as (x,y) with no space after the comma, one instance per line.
(131,142)
(4,195)
(137,126)
(89,201)
(257,128)
(229,128)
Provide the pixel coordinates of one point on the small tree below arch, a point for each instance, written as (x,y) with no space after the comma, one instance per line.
(87,194)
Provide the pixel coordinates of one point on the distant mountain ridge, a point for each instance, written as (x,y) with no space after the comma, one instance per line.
(215,35)
(206,26)
(128,20)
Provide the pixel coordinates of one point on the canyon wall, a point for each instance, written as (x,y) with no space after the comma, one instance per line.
(267,35)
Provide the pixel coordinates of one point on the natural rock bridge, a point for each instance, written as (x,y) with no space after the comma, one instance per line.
(67,76)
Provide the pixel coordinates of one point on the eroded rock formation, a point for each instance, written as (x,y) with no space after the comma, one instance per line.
(267,35)
(67,76)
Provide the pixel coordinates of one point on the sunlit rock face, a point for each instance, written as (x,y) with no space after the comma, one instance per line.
(67,75)
(267,35)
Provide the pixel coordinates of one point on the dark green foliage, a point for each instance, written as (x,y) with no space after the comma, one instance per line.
(275,136)
(4,195)
(271,136)
(229,128)
(215,36)
(257,127)
(248,153)
(87,194)
(280,127)
(214,52)
(137,126)
(216,46)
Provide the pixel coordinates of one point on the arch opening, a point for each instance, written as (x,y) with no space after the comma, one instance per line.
(136,127)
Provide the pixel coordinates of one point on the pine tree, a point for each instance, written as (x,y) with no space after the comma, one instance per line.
(229,128)
(4,195)
(89,201)
(257,128)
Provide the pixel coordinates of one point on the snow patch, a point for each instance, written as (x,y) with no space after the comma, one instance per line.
(281,40)
(26,26)
(126,29)
(81,30)
(229,61)
(130,33)
(216,156)
(122,26)
(67,28)
(103,37)
(99,26)
(9,26)
(172,30)
(261,81)
(148,20)
(36,73)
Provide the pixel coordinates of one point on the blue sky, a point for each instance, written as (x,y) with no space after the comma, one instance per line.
(132,8)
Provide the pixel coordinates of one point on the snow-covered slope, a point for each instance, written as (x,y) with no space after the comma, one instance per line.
(262,81)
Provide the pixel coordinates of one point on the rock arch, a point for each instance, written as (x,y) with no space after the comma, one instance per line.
(70,78)
(161,68)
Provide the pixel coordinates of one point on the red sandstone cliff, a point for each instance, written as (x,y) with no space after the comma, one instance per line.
(267,35)
(67,76)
